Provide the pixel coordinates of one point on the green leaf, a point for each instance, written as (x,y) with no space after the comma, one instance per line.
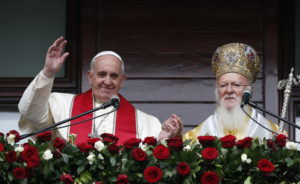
(86,177)
(289,162)
(93,167)
(30,142)
(240,168)
(80,169)
(77,181)
(170,173)
(24,181)
(140,175)
(65,158)
(283,182)
(10,176)
(112,161)
(82,162)
(248,180)
(100,166)
(43,147)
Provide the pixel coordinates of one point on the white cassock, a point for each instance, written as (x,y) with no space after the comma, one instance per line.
(212,127)
(40,108)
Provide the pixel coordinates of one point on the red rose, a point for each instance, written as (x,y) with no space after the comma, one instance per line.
(113,149)
(44,136)
(210,178)
(150,141)
(11,156)
(209,154)
(92,141)
(139,155)
(1,134)
(56,154)
(206,141)
(266,166)
(176,143)
(84,147)
(19,173)
(131,143)
(244,143)
(59,143)
(17,135)
(29,173)
(183,169)
(25,144)
(109,138)
(281,140)
(1,147)
(271,144)
(122,179)
(67,178)
(97,182)
(33,162)
(228,141)
(152,174)
(28,152)
(161,152)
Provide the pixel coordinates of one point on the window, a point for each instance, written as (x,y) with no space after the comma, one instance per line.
(28,28)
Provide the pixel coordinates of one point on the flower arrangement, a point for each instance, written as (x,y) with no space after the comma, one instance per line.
(211,160)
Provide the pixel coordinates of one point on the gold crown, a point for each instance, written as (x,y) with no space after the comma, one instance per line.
(238,58)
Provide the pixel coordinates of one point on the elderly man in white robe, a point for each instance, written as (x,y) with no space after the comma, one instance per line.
(40,108)
(236,66)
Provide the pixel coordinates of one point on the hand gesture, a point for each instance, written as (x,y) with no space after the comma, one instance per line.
(172,127)
(54,57)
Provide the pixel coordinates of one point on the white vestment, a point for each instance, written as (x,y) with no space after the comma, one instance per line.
(40,108)
(212,127)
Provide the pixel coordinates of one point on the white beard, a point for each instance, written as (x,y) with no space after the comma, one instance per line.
(234,119)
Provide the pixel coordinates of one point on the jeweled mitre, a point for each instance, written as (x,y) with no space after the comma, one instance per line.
(238,58)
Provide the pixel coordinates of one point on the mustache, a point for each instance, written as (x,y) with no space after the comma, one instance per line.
(106,87)
(229,96)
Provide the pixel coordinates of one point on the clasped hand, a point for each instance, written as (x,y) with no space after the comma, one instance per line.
(172,127)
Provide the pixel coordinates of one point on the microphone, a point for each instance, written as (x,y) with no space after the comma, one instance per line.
(246,97)
(275,133)
(114,101)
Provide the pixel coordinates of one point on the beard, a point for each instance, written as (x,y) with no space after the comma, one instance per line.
(231,119)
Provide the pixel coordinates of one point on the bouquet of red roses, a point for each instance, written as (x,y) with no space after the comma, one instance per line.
(209,160)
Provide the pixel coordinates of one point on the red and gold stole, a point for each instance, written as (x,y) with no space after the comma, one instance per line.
(125,120)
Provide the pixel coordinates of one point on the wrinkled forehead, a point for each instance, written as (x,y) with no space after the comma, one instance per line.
(232,77)
(107,63)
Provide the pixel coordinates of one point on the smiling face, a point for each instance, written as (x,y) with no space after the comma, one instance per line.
(230,87)
(106,78)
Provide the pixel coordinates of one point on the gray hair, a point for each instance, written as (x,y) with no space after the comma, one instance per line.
(107,53)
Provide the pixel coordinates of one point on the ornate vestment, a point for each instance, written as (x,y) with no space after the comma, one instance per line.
(212,127)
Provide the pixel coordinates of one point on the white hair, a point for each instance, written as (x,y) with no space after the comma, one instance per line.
(107,53)
(231,119)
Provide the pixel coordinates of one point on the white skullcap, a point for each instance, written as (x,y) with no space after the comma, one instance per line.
(108,53)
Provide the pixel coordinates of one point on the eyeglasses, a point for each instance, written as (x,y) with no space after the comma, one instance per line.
(234,86)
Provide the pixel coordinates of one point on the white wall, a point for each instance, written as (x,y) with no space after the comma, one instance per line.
(9,121)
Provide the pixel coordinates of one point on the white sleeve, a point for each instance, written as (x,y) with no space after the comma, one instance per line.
(148,125)
(33,105)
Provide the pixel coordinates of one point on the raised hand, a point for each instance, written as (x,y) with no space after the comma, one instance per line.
(55,58)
